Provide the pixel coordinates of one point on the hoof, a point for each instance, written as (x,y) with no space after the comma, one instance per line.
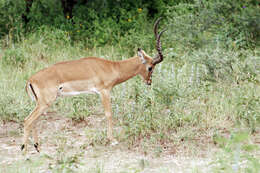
(22,147)
(36,146)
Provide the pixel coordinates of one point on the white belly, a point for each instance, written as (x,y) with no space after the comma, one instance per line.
(77,87)
(73,93)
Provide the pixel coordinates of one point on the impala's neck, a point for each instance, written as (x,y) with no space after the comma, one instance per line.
(128,68)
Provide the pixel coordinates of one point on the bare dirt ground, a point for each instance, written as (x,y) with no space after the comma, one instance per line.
(67,146)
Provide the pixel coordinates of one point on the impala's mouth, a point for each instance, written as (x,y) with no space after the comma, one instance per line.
(149,82)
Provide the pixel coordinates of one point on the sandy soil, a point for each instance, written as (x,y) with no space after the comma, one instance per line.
(65,143)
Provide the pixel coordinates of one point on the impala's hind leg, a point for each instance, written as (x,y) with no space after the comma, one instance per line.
(35,134)
(28,123)
(44,98)
(35,137)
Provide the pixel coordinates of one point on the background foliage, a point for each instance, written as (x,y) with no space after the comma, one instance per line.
(100,22)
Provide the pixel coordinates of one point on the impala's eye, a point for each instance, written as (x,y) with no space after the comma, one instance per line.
(150,68)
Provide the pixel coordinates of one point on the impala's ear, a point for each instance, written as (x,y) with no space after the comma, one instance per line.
(141,55)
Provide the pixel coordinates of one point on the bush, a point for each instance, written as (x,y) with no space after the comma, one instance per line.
(11,18)
(95,23)
(203,23)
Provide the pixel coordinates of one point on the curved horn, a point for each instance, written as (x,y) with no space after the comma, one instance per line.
(155,27)
(159,56)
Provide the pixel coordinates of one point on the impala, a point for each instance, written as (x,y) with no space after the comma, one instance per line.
(86,75)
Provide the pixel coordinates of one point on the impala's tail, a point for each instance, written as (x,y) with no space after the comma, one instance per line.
(30,91)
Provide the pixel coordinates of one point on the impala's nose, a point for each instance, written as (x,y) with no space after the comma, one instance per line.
(149,82)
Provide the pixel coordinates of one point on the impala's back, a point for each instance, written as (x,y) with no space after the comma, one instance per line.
(76,77)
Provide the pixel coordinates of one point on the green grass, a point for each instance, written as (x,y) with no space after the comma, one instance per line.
(184,93)
(237,154)
(193,96)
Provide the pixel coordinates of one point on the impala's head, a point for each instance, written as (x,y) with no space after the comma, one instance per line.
(149,62)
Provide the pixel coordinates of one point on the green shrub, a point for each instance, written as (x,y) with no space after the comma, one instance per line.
(11,18)
(95,23)
(203,23)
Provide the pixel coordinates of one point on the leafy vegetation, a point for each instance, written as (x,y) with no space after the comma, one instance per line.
(208,82)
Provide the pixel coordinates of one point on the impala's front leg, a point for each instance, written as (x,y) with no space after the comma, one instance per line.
(105,96)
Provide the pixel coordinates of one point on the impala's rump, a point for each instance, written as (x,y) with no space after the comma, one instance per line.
(30,91)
